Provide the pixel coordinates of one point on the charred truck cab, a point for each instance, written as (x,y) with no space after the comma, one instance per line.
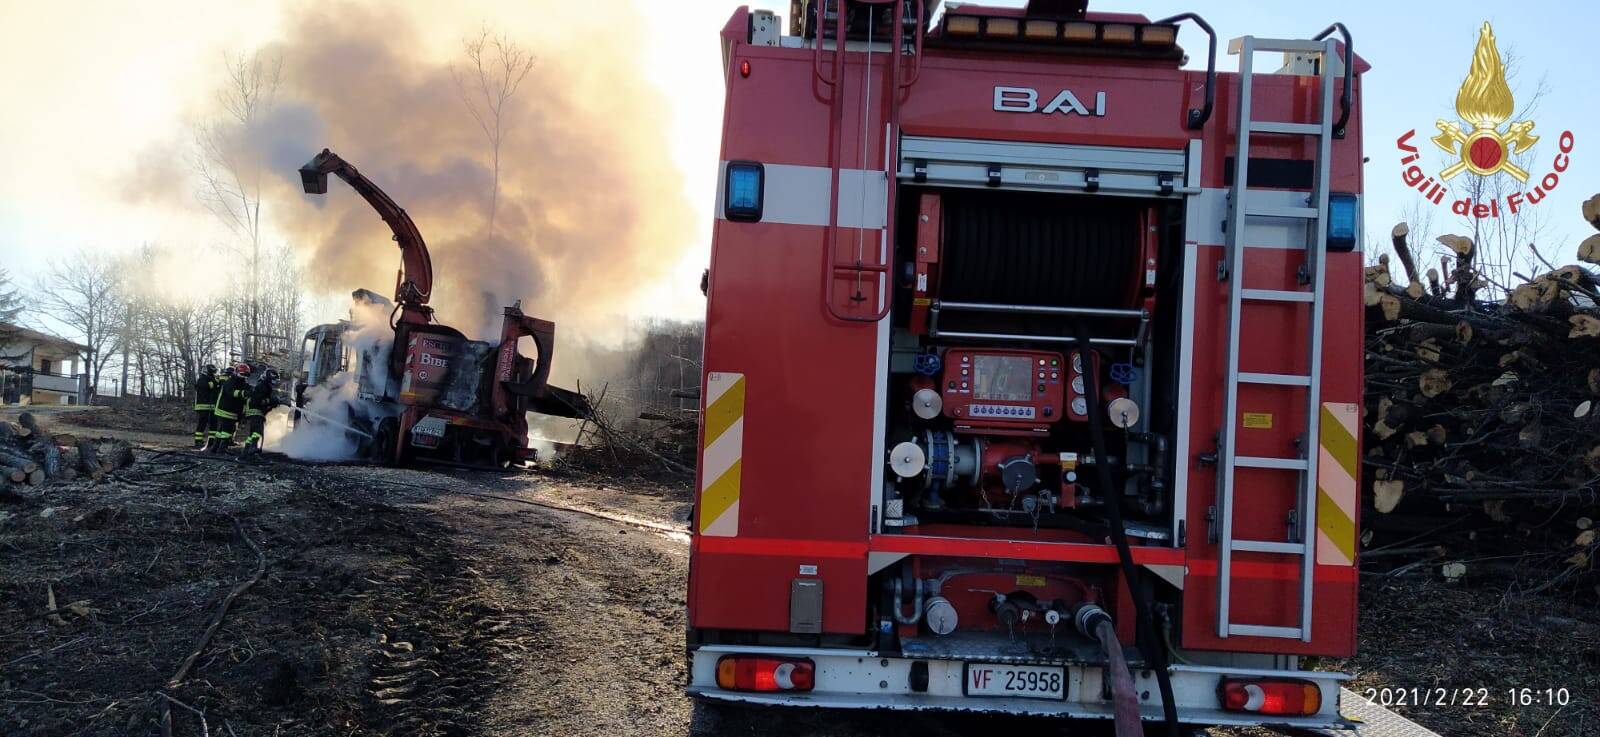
(1029,352)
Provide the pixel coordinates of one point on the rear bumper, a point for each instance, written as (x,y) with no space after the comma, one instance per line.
(859,679)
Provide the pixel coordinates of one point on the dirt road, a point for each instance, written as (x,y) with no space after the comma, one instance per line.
(395,602)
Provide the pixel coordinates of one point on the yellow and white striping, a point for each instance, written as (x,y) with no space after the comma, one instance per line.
(723,445)
(1337,487)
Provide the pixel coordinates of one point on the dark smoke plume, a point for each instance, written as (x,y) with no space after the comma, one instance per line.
(591,205)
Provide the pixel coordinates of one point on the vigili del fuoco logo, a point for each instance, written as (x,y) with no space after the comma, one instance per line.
(1484,148)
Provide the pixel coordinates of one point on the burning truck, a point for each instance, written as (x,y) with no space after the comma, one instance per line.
(1032,363)
(410,389)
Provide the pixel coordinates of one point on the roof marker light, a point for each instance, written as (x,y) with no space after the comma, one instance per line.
(1078,31)
(1116,33)
(1002,27)
(961,25)
(1158,35)
(1040,30)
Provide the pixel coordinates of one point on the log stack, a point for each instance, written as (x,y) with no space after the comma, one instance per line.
(1483,416)
(30,456)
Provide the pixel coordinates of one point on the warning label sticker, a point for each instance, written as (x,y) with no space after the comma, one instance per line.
(1258,420)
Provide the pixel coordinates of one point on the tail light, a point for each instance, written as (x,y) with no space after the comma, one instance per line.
(742,673)
(1287,697)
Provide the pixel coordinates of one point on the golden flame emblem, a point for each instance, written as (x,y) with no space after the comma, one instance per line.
(1485,103)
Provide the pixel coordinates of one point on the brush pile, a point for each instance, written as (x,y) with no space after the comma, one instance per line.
(1483,417)
(620,440)
(31,456)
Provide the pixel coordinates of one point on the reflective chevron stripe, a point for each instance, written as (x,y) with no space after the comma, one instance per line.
(722,445)
(1337,472)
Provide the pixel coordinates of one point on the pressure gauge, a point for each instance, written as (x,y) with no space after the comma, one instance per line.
(1080,406)
(1077,384)
(1077,362)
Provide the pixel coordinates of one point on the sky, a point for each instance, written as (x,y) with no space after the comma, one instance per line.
(93,88)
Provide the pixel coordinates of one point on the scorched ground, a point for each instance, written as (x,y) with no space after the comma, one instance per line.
(405,602)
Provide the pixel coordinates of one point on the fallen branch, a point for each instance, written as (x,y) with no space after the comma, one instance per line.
(179,675)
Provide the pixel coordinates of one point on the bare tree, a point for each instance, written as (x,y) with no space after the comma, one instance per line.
(231,165)
(84,294)
(163,336)
(10,311)
(10,301)
(196,333)
(494,70)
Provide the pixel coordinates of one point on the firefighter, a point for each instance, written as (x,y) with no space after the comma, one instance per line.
(205,401)
(261,401)
(230,402)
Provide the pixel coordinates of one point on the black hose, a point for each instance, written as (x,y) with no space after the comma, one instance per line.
(1148,644)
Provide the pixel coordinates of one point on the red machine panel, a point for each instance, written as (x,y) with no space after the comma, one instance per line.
(994,388)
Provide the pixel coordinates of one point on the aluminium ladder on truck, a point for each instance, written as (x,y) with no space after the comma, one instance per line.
(1244,206)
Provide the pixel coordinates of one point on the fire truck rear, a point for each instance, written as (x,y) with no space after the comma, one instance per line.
(1032,367)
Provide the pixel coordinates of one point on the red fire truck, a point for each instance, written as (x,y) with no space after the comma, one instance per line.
(1032,367)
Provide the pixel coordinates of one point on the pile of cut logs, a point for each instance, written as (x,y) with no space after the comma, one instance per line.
(31,456)
(1484,411)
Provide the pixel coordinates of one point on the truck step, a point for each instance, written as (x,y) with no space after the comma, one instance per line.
(1264,211)
(1277,295)
(1282,464)
(1260,630)
(1263,546)
(1294,45)
(1293,129)
(1278,379)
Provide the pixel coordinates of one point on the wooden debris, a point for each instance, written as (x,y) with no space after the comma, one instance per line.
(1387,494)
(1482,436)
(28,455)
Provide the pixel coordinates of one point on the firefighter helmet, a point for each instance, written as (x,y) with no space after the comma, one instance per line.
(242,369)
(209,368)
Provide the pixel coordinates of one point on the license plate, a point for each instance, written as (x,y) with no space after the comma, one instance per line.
(433,426)
(1017,681)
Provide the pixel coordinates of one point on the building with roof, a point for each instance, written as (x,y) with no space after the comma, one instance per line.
(39,368)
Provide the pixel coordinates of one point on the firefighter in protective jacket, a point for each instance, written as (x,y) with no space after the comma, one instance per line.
(261,401)
(205,402)
(230,403)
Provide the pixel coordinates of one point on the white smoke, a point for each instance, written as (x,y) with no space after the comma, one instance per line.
(545,450)
(320,434)
(347,403)
(551,435)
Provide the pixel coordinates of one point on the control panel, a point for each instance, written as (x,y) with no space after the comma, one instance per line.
(999,387)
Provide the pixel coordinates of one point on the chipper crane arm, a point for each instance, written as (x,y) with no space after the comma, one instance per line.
(415,284)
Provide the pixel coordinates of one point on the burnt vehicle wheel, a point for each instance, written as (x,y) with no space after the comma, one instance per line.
(381,447)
